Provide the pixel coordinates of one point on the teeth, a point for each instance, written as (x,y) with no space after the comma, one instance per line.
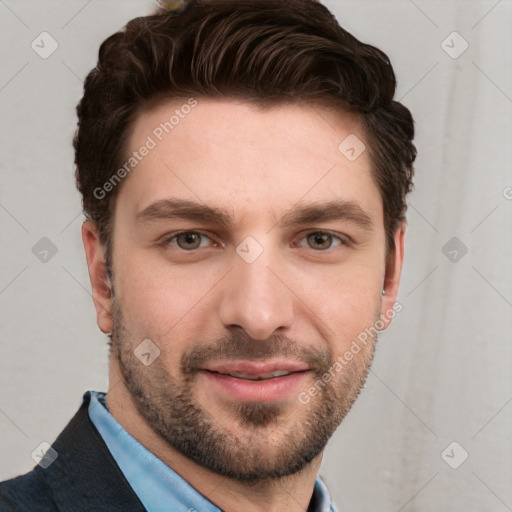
(279,373)
(262,376)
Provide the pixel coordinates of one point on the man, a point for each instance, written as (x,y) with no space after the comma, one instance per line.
(244,169)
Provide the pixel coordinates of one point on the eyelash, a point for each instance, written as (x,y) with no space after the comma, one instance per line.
(173,236)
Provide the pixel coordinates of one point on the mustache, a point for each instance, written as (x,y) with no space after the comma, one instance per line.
(239,345)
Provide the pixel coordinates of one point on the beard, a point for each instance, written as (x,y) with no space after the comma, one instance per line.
(265,446)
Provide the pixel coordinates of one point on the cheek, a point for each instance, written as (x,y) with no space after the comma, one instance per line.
(159,299)
(347,304)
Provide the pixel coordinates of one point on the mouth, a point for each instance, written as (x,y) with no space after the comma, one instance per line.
(249,380)
(263,376)
(256,370)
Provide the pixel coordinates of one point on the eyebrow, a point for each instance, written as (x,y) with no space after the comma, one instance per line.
(185,209)
(327,211)
(174,208)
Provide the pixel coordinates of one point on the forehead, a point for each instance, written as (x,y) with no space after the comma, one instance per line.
(248,160)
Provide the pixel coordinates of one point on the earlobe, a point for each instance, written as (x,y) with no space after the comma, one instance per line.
(100,281)
(392,277)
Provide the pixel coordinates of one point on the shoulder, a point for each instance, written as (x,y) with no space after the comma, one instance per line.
(25,493)
(82,476)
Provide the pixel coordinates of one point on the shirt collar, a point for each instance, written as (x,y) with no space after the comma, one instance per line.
(157,486)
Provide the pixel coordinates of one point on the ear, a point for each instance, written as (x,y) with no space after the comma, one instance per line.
(392,277)
(100,282)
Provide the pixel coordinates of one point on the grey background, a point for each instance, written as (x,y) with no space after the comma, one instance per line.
(443,371)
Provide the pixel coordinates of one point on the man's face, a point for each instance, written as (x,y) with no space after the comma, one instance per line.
(245,243)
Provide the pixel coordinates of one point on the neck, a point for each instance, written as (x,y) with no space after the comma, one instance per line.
(292,493)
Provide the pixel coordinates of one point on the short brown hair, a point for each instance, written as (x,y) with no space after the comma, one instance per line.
(264,51)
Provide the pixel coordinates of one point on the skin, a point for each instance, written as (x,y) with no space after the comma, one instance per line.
(301,299)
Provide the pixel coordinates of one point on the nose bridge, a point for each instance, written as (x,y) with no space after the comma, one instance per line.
(254,298)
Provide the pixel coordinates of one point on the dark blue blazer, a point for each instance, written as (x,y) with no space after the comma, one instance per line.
(83,478)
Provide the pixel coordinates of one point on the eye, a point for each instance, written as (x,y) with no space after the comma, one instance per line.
(188,240)
(321,240)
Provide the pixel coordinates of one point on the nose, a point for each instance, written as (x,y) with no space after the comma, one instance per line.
(256,298)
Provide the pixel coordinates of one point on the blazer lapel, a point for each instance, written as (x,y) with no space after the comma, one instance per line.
(85,476)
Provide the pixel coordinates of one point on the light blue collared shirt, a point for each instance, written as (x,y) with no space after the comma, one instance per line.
(158,487)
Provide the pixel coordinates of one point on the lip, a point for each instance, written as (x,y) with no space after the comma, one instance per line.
(255,368)
(256,390)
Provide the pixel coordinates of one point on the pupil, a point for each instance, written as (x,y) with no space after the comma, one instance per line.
(321,239)
(189,239)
